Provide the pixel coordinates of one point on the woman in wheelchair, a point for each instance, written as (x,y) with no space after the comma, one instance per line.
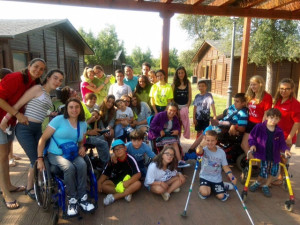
(66,151)
(165,129)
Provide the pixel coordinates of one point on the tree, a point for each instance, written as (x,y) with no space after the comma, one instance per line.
(273,41)
(173,58)
(137,57)
(106,45)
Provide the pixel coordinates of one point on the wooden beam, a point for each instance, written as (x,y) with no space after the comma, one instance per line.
(251,3)
(164,60)
(194,2)
(244,55)
(274,4)
(166,1)
(295,6)
(177,8)
(221,2)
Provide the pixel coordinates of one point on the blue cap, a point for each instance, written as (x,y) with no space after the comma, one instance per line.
(117,142)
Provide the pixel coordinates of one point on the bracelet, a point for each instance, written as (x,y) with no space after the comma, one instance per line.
(40,157)
(228,172)
(16,114)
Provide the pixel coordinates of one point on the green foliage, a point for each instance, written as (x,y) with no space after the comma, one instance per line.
(273,41)
(106,45)
(173,58)
(138,57)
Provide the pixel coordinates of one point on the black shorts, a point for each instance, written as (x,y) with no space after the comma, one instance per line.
(201,125)
(217,188)
(249,127)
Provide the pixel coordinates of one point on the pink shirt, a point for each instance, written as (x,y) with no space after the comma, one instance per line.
(84,90)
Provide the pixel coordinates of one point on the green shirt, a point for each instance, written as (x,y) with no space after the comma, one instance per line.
(104,91)
(161,94)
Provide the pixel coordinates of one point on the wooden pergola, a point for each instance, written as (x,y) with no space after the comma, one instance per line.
(268,9)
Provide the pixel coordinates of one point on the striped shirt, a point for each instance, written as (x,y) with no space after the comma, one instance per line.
(234,116)
(37,107)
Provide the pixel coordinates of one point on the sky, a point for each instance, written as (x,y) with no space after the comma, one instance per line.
(135,28)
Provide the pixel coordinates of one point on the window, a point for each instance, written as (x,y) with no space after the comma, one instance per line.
(72,70)
(221,72)
(20,60)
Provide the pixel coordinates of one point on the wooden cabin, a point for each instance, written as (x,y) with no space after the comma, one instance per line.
(213,63)
(56,41)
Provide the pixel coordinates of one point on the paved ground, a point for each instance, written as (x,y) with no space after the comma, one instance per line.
(149,209)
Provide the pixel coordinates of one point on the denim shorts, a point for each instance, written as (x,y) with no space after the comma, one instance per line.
(5,138)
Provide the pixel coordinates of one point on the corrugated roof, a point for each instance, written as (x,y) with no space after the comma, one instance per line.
(12,28)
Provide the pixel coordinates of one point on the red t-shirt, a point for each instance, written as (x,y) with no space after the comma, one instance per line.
(12,88)
(256,111)
(290,114)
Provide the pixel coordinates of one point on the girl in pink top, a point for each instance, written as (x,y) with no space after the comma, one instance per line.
(258,102)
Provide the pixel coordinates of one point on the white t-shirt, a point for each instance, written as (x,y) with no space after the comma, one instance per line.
(119,90)
(212,165)
(155,174)
(126,114)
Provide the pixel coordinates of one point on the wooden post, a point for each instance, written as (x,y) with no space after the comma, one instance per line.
(164,60)
(244,55)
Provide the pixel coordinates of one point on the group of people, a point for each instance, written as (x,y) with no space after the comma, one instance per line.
(116,116)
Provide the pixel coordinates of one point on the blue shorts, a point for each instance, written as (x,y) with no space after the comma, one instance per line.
(268,167)
(217,188)
(5,138)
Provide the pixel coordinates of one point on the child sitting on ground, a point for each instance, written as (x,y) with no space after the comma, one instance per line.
(162,177)
(121,179)
(213,160)
(124,117)
(137,148)
(266,140)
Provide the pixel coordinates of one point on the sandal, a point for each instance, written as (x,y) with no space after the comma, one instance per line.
(30,194)
(19,189)
(11,205)
(277,182)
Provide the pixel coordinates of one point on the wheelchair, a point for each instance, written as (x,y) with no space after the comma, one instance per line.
(287,183)
(50,190)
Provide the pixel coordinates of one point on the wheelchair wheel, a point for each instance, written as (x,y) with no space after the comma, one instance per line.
(244,175)
(241,162)
(42,186)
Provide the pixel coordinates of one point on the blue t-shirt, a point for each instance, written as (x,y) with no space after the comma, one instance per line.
(64,132)
(132,83)
(138,154)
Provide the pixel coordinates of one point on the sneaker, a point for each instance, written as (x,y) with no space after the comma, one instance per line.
(165,196)
(228,186)
(176,190)
(128,197)
(85,205)
(266,191)
(201,196)
(182,164)
(254,186)
(108,199)
(72,207)
(226,195)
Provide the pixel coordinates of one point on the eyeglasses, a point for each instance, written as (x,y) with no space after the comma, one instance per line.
(118,149)
(169,154)
(126,100)
(284,89)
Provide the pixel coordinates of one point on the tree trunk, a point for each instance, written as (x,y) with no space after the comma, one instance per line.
(269,78)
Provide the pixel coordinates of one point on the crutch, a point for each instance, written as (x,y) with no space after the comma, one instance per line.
(191,187)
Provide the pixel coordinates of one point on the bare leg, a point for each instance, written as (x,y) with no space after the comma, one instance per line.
(5,183)
(174,183)
(30,178)
(245,146)
(177,151)
(205,191)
